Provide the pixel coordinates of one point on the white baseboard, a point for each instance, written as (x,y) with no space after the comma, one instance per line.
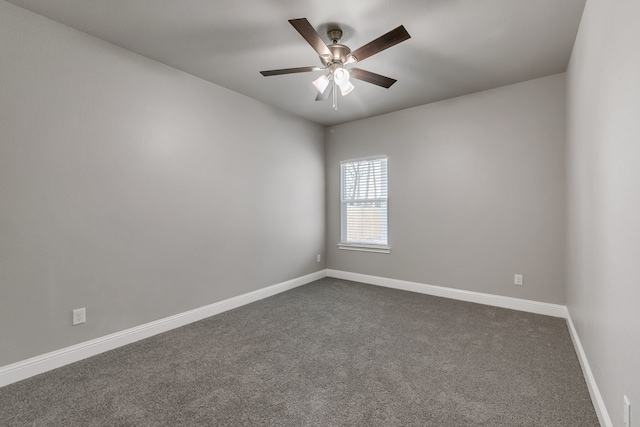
(596,397)
(36,365)
(555,310)
(548,309)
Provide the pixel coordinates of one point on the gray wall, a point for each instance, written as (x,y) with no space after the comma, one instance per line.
(603,198)
(476,191)
(136,190)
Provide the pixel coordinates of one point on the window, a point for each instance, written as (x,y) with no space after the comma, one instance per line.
(363,204)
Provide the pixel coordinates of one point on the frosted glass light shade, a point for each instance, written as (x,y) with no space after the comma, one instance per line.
(321,83)
(346,88)
(341,76)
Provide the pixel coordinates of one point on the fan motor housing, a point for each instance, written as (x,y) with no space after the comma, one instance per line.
(339,54)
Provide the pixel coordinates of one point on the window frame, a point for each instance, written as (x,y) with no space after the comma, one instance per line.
(359,246)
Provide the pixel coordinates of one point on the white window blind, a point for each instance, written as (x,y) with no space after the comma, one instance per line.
(363,196)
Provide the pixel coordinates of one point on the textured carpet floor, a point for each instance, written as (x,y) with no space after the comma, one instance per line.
(329,353)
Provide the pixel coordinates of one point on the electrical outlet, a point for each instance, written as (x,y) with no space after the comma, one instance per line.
(627,412)
(518,279)
(318,258)
(79,316)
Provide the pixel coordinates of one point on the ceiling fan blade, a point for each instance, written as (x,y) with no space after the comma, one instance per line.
(310,35)
(383,42)
(369,77)
(289,71)
(325,95)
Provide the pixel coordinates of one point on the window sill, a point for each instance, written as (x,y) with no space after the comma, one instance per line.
(365,248)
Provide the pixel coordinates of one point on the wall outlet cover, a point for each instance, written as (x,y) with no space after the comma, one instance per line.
(79,316)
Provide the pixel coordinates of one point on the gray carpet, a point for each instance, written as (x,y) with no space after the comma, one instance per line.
(331,353)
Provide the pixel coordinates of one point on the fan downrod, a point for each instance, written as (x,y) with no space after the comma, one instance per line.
(334,35)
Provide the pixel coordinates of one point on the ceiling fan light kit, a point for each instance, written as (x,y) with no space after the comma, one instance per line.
(335,56)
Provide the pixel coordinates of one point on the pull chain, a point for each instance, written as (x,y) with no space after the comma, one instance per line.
(335,95)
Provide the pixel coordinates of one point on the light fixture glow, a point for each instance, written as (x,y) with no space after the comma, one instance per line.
(321,83)
(341,77)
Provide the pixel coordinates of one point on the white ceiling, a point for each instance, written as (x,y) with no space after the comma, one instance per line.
(457,46)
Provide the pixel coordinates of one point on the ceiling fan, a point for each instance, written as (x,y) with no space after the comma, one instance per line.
(335,56)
